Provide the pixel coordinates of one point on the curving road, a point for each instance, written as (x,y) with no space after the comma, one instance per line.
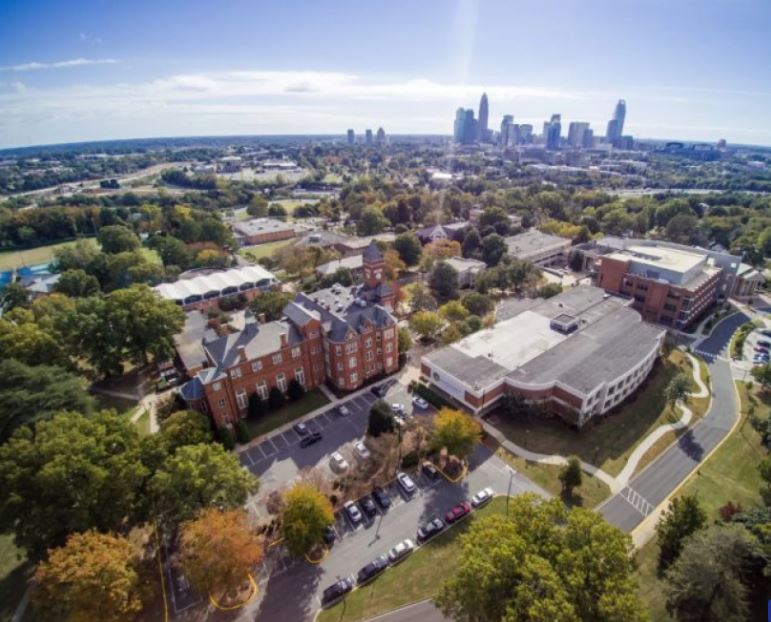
(652,485)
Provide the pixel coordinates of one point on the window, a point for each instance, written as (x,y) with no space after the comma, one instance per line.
(277,358)
(352,362)
(388,333)
(241,399)
(339,367)
(354,377)
(315,350)
(281,382)
(221,403)
(295,353)
(313,334)
(389,361)
(669,307)
(262,390)
(389,347)
(235,372)
(368,355)
(299,375)
(338,350)
(378,336)
(350,348)
(368,342)
(256,365)
(217,386)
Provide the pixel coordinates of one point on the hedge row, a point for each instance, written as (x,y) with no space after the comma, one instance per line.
(430,396)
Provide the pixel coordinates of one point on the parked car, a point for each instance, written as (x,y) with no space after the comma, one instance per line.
(336,592)
(330,535)
(766,332)
(353,512)
(368,505)
(337,462)
(458,512)
(397,408)
(483,496)
(301,429)
(764,343)
(372,569)
(379,391)
(430,529)
(314,437)
(343,410)
(406,483)
(400,551)
(361,450)
(382,498)
(760,349)
(430,471)
(419,402)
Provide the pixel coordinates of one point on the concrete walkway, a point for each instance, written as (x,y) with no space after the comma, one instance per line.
(615,484)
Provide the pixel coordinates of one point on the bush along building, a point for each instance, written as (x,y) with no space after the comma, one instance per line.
(341,335)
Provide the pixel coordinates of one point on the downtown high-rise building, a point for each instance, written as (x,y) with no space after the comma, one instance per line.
(484,113)
(465,129)
(525,133)
(368,137)
(576,132)
(506,138)
(616,124)
(552,131)
(351,137)
(380,137)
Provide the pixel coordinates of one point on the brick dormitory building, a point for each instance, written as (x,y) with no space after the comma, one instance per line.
(341,335)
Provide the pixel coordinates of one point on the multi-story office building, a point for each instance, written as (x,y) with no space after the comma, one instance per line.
(351,137)
(484,112)
(552,132)
(343,335)
(380,137)
(578,354)
(616,124)
(368,137)
(525,133)
(506,138)
(465,127)
(576,133)
(588,139)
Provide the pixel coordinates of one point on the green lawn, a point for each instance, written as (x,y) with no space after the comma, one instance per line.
(143,423)
(291,411)
(14,570)
(418,577)
(122,405)
(259,251)
(730,474)
(591,493)
(30,256)
(608,442)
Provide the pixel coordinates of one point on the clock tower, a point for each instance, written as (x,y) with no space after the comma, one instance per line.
(374,266)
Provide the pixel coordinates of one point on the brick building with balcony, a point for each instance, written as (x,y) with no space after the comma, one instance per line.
(341,335)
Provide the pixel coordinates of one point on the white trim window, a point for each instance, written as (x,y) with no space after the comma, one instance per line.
(241,399)
(352,362)
(235,372)
(277,358)
(256,365)
(354,378)
(262,390)
(217,386)
(281,382)
(299,375)
(295,353)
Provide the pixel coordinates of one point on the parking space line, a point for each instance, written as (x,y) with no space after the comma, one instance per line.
(259,456)
(264,448)
(279,442)
(290,436)
(246,459)
(325,418)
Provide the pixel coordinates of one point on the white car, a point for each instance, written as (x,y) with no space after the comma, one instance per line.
(400,551)
(419,402)
(343,410)
(397,408)
(482,497)
(353,512)
(338,462)
(406,483)
(361,450)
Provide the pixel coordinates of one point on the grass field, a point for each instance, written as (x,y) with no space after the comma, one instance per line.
(143,423)
(14,571)
(730,474)
(289,412)
(418,577)
(608,442)
(29,257)
(259,251)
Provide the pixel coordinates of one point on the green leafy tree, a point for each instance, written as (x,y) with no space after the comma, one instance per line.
(549,290)
(258,206)
(117,239)
(32,393)
(295,390)
(471,243)
(680,520)
(453,311)
(443,281)
(185,427)
(762,375)
(14,295)
(677,390)
(409,248)
(421,298)
(571,476)
(493,248)
(271,303)
(276,398)
(197,477)
(72,473)
(404,340)
(478,304)
(257,406)
(173,251)
(456,431)
(94,576)
(706,583)
(305,516)
(427,324)
(543,563)
(23,339)
(381,419)
(371,221)
(77,284)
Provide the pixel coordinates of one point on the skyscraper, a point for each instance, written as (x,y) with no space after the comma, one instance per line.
(552,131)
(588,139)
(368,137)
(525,134)
(380,138)
(351,137)
(576,133)
(506,138)
(465,128)
(483,118)
(616,124)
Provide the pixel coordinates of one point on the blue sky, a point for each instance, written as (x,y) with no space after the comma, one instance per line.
(81,70)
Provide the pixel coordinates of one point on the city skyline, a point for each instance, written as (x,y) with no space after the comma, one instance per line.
(83,72)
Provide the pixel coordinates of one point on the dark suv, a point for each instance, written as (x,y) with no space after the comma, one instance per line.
(309,440)
(336,591)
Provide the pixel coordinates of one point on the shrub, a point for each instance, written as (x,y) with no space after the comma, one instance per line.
(295,390)
(242,432)
(276,398)
(257,406)
(225,437)
(430,396)
(410,460)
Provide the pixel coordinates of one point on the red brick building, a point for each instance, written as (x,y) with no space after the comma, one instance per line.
(343,335)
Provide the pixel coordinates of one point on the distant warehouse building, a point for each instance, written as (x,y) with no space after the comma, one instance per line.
(538,247)
(205,290)
(262,230)
(579,354)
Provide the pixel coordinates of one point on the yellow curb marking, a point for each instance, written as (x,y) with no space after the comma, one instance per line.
(252,596)
(317,561)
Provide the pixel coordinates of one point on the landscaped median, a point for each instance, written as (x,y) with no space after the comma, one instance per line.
(416,578)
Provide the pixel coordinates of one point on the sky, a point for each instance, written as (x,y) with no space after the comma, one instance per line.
(91,70)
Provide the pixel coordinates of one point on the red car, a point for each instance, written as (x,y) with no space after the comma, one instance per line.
(458,512)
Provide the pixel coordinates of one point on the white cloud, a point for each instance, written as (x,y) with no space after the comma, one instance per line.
(61,64)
